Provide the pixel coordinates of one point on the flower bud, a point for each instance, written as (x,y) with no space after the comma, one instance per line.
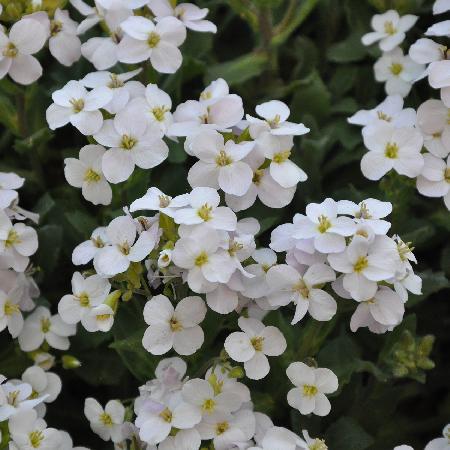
(70,362)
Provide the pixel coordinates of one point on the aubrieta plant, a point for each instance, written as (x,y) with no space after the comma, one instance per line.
(204,293)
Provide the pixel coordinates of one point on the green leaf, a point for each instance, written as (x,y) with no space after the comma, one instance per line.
(347,51)
(238,70)
(50,240)
(347,434)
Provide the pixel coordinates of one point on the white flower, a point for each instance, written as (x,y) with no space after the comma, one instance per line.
(156,106)
(87,294)
(15,397)
(133,142)
(206,263)
(74,104)
(204,208)
(158,42)
(432,120)
(86,173)
(107,423)
(365,263)
(274,120)
(258,286)
(191,15)
(173,327)
(29,432)
(220,163)
(123,248)
(389,110)
(380,313)
(64,44)
(201,393)
(389,29)
(278,149)
(311,385)
(217,109)
(164,258)
(439,7)
(86,251)
(26,37)
(155,200)
(45,384)
(17,243)
(10,311)
(9,182)
(41,326)
(253,344)
(121,88)
(323,224)
(368,212)
(288,285)
(263,186)
(442,443)
(391,148)
(439,29)
(398,72)
(434,181)
(156,419)
(227,429)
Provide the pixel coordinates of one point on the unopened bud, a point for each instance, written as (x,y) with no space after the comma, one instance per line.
(113,300)
(70,362)
(236,372)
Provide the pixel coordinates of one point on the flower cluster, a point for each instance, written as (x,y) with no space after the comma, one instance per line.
(215,408)
(396,136)
(23,401)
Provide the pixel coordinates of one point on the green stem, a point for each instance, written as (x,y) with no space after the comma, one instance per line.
(266,30)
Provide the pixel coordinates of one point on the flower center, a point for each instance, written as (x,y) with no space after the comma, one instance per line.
(234,248)
(175,325)
(318,444)
(91,176)
(361,264)
(281,157)
(382,116)
(221,427)
(127,142)
(324,224)
(391,150)
(223,159)
(396,68)
(103,317)
(164,201)
(166,415)
(10,51)
(209,405)
(45,325)
(447,175)
(274,122)
(10,308)
(309,390)
(115,82)
(13,238)
(257,343)
(257,176)
(389,28)
(153,39)
(55,27)
(204,212)
(301,288)
(404,248)
(84,300)
(36,438)
(363,212)
(124,248)
(159,112)
(106,419)
(205,95)
(77,105)
(13,397)
(215,384)
(201,259)
(98,243)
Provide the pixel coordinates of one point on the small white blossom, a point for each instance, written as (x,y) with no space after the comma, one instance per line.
(311,385)
(107,422)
